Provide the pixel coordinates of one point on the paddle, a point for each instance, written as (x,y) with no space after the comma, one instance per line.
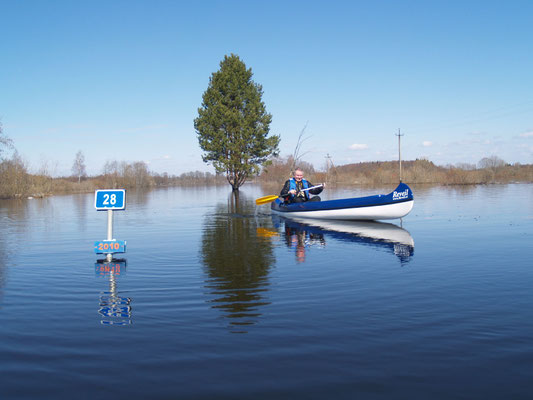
(267,233)
(271,198)
(266,199)
(312,187)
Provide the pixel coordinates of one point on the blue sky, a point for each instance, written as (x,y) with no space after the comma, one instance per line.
(122,80)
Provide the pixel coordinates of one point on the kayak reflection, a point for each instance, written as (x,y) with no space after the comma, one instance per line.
(299,234)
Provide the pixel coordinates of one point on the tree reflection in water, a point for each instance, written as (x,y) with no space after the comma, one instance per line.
(14,215)
(237,261)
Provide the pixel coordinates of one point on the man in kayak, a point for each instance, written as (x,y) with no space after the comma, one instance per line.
(294,190)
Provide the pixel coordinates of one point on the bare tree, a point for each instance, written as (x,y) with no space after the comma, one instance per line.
(111,173)
(466,166)
(78,167)
(296,156)
(491,162)
(5,142)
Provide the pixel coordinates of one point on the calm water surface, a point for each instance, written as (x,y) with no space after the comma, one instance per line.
(215,298)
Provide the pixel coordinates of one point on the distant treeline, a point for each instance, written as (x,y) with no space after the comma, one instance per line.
(488,170)
(424,171)
(17,182)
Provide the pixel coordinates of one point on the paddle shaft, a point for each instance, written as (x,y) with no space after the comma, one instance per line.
(312,187)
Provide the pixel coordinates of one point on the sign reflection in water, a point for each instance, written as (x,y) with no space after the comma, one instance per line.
(114,309)
(300,234)
(237,261)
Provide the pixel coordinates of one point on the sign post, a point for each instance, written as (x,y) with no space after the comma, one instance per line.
(110,200)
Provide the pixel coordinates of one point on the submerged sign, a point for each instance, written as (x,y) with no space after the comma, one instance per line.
(106,268)
(110,246)
(110,200)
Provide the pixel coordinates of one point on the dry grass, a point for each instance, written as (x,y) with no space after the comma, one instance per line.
(17,182)
(423,171)
(416,172)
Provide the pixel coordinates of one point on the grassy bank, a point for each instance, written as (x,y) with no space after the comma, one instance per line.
(17,182)
(423,171)
(415,172)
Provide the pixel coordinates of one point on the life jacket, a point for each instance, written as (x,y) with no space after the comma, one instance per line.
(292,186)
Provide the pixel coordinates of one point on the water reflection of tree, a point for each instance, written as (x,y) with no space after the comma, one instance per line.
(80,202)
(3,265)
(13,225)
(237,260)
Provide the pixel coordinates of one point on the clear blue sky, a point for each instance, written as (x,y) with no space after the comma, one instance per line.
(122,80)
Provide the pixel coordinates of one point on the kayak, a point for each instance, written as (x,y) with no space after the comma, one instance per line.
(396,204)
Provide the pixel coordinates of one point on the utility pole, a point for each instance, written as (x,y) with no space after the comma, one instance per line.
(400,153)
(328,162)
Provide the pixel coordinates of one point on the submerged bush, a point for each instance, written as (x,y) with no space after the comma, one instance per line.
(15,181)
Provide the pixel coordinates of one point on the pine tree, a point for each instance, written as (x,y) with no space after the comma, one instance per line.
(233,125)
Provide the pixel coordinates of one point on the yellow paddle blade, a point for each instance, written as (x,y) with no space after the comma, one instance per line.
(263,232)
(266,199)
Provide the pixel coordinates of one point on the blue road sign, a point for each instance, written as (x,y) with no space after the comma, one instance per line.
(110,246)
(113,199)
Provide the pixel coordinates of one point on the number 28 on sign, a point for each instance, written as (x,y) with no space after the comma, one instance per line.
(110,199)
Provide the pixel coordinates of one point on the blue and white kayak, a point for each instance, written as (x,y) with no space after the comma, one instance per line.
(396,204)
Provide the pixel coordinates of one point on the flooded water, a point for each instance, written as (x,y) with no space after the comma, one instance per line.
(215,298)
